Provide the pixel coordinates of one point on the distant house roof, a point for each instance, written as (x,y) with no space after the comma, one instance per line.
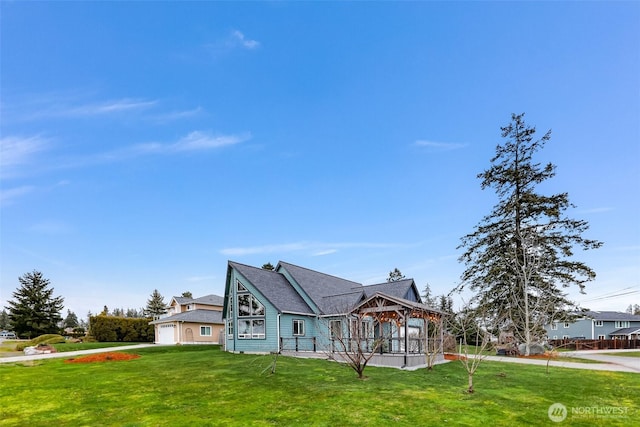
(626,332)
(206,300)
(611,315)
(194,316)
(275,287)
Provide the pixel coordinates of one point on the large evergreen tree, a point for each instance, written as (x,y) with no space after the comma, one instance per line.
(155,305)
(34,310)
(519,257)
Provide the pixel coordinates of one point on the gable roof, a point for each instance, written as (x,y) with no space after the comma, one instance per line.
(611,315)
(275,287)
(399,289)
(205,300)
(323,289)
(195,316)
(413,305)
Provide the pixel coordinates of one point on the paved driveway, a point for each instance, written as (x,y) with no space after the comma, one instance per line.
(609,363)
(606,356)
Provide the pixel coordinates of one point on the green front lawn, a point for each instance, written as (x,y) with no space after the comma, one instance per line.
(201,385)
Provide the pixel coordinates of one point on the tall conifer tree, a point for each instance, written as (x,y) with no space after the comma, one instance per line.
(519,257)
(34,310)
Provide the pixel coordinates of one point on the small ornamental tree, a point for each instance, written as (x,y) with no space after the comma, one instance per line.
(155,305)
(34,310)
(354,344)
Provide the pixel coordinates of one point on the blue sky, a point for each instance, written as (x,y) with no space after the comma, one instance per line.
(145,144)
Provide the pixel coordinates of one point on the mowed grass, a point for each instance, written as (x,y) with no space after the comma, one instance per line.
(204,386)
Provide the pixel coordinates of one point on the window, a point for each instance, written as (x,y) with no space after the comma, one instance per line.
(205,331)
(230,327)
(622,324)
(335,328)
(554,326)
(566,325)
(602,337)
(555,337)
(249,307)
(598,323)
(298,327)
(367,329)
(565,337)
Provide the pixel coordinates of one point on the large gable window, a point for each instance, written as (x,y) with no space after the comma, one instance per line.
(251,312)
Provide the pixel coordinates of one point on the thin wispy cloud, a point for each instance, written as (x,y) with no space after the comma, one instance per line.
(109,107)
(17,150)
(194,141)
(315,248)
(439,146)
(235,40)
(8,196)
(596,210)
(238,39)
(55,108)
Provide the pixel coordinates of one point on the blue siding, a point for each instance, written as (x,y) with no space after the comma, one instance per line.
(301,342)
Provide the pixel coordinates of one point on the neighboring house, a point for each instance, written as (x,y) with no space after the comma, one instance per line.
(191,321)
(294,309)
(595,325)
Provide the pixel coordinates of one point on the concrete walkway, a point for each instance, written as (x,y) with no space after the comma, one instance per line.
(608,363)
(70,354)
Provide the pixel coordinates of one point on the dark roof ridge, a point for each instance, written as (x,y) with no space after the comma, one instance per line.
(319,272)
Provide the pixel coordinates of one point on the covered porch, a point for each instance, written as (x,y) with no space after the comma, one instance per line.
(385,330)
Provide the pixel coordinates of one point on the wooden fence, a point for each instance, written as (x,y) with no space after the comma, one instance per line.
(585,344)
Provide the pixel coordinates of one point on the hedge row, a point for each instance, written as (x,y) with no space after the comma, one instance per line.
(113,329)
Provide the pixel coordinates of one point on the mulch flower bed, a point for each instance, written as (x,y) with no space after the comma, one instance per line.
(448,356)
(103,357)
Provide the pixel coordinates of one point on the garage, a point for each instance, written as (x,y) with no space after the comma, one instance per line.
(166,334)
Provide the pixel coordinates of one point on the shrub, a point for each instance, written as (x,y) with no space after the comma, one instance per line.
(114,329)
(42,339)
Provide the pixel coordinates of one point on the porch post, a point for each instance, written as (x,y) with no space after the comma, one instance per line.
(406,338)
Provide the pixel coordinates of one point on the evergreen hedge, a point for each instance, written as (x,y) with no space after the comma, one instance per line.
(127,329)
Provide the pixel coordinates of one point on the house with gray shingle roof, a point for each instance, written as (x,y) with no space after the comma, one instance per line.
(191,321)
(296,309)
(597,325)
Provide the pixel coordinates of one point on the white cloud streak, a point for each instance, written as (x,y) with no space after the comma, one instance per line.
(440,146)
(316,248)
(238,39)
(8,196)
(16,150)
(194,141)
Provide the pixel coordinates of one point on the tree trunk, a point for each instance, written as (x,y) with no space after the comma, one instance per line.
(470,389)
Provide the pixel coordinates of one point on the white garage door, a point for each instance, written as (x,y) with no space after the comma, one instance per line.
(166,334)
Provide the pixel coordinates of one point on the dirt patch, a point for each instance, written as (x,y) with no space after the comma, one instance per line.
(448,356)
(103,357)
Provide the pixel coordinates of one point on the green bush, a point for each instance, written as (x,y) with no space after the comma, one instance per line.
(42,339)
